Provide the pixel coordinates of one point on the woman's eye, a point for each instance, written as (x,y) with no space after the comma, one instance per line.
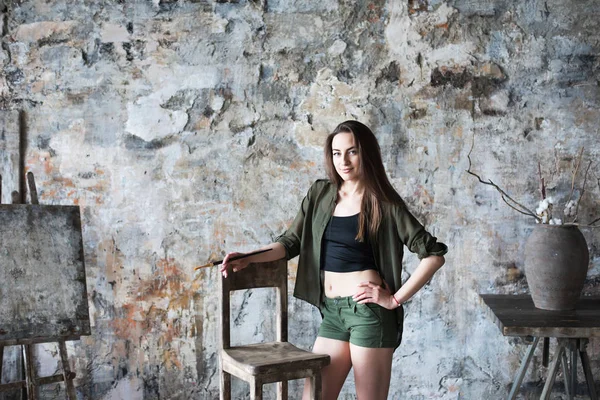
(335,154)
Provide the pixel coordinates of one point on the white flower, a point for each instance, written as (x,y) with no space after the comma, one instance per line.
(570,208)
(556,221)
(544,210)
(543,206)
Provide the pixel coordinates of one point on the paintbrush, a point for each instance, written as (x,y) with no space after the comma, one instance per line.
(213,263)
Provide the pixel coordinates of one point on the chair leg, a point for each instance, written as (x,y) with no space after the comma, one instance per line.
(225,386)
(29,371)
(256,390)
(315,386)
(282,390)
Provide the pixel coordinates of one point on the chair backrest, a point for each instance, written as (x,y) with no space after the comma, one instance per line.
(258,275)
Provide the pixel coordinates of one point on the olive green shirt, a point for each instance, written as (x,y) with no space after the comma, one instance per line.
(398,228)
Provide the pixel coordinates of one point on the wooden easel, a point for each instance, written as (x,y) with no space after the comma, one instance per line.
(32,382)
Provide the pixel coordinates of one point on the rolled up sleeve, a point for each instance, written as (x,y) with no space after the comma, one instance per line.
(291,238)
(415,236)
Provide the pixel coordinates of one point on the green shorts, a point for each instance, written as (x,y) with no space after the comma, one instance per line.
(365,325)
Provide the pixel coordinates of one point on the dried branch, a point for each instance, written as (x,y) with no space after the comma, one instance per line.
(513,207)
(543,188)
(575,175)
(522,210)
(594,221)
(582,190)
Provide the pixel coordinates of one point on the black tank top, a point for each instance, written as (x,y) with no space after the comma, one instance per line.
(340,251)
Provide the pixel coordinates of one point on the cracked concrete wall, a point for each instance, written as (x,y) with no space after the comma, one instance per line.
(186,129)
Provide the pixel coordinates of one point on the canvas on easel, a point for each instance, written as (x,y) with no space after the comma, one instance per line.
(42,274)
(43,296)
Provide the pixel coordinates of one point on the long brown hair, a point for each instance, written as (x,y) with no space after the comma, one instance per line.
(377,187)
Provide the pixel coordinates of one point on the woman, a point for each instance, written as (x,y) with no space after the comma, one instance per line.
(350,233)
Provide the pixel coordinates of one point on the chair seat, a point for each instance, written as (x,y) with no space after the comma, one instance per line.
(267,358)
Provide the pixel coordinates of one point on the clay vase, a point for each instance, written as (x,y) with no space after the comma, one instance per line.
(556,264)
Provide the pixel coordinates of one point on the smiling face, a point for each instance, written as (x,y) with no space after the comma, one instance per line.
(346,158)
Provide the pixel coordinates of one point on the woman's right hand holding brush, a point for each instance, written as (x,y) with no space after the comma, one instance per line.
(235,265)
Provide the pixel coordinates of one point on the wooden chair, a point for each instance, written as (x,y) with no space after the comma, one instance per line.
(263,363)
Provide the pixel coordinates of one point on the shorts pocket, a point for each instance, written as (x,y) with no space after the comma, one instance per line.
(368,310)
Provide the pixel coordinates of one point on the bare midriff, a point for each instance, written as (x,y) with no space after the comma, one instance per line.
(342,284)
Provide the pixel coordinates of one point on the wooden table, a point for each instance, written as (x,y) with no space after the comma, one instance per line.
(517,316)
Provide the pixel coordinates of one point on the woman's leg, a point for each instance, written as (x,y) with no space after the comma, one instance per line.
(372,371)
(333,375)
